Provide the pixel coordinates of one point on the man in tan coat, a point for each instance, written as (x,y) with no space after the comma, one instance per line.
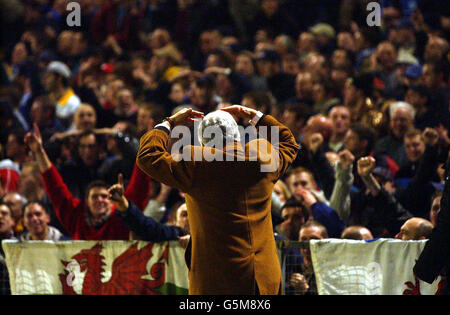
(228,199)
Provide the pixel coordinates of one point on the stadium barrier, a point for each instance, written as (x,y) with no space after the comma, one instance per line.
(378,267)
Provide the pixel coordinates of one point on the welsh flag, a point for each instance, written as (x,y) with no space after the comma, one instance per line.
(96,267)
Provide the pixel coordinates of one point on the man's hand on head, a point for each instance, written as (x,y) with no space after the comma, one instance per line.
(185,115)
(239,111)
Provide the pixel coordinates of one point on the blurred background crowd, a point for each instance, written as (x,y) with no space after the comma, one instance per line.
(368,104)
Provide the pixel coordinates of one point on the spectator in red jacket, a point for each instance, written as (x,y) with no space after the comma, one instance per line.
(93,218)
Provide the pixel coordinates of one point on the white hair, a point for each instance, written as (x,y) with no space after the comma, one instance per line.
(396,105)
(218,122)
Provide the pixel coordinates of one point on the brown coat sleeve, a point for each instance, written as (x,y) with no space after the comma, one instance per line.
(284,143)
(154,160)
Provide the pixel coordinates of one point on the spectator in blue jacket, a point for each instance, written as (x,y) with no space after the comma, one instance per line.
(321,212)
(146,228)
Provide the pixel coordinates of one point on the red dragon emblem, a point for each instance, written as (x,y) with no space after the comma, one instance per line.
(127,271)
(414,289)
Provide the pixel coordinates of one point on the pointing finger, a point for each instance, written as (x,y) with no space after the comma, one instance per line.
(36,130)
(120,179)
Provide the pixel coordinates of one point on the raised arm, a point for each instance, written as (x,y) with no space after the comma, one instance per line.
(154,159)
(34,142)
(138,190)
(437,250)
(388,209)
(63,202)
(145,227)
(365,167)
(322,213)
(320,166)
(286,144)
(156,207)
(340,197)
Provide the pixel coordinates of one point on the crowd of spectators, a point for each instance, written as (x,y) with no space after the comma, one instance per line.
(368,104)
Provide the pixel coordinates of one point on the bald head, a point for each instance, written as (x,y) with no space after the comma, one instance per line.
(356,232)
(415,229)
(15,201)
(341,118)
(318,124)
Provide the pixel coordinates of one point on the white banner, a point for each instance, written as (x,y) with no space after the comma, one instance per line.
(96,267)
(380,267)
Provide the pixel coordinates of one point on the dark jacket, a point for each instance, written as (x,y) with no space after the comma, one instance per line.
(319,165)
(329,218)
(392,147)
(146,228)
(435,257)
(383,215)
(416,197)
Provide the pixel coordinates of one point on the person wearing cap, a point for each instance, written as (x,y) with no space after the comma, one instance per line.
(413,74)
(57,82)
(404,60)
(325,35)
